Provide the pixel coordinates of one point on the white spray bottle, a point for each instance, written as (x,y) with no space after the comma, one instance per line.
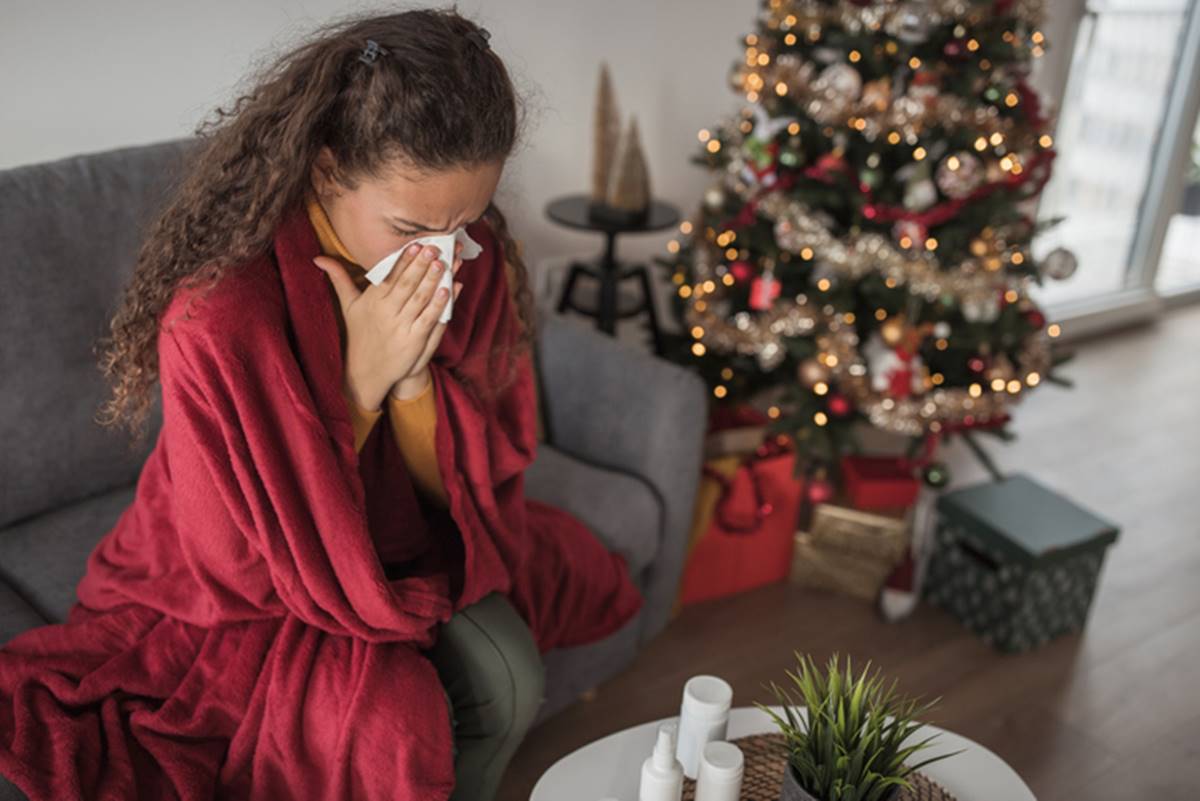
(662,773)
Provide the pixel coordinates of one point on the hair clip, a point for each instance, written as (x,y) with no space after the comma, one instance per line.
(371,52)
(480,38)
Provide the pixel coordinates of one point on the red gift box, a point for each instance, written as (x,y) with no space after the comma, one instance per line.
(879,482)
(748,540)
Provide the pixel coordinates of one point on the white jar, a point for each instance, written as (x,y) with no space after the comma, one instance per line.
(703,718)
(721,767)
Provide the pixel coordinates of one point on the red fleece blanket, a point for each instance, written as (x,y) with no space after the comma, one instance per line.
(254,624)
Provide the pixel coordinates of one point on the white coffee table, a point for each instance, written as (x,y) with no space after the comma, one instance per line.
(611,766)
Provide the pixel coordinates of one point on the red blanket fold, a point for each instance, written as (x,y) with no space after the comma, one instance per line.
(236,635)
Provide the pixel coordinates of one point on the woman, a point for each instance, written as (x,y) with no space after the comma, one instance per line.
(304,600)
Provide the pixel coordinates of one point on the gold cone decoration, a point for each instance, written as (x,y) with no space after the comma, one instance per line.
(629,189)
(607,131)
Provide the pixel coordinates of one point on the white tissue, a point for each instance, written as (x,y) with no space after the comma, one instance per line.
(445,245)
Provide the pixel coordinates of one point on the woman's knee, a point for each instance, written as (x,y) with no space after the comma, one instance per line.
(491,669)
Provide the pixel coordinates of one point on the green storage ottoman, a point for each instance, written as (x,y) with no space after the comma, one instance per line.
(1015,562)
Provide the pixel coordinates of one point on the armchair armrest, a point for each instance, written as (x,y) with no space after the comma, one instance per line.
(624,409)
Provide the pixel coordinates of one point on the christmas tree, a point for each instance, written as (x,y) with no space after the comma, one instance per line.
(864,254)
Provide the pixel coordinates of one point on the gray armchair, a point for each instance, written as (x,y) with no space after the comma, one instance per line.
(623,450)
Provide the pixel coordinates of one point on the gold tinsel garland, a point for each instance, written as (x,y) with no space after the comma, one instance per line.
(892,17)
(761,335)
(970,283)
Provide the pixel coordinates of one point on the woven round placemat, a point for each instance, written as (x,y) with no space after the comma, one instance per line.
(766,757)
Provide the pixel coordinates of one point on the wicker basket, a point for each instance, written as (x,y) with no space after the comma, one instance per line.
(766,758)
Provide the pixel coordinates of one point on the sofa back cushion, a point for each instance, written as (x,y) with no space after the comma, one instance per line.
(70,230)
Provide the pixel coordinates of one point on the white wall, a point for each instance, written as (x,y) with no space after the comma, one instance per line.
(78,77)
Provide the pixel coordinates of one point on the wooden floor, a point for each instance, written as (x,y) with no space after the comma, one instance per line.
(1112,714)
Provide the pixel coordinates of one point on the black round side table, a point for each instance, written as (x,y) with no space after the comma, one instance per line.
(572,211)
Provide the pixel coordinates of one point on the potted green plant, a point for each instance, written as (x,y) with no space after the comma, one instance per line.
(851,745)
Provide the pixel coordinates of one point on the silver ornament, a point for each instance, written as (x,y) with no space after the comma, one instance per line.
(959,174)
(1059,264)
(911,22)
(839,80)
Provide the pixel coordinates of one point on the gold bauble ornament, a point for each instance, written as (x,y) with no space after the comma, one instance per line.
(892,330)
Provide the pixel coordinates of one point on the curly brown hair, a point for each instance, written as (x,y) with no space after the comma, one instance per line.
(435,100)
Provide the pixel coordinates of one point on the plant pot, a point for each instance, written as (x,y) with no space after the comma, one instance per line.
(792,791)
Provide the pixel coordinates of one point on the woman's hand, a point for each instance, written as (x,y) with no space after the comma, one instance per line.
(392,329)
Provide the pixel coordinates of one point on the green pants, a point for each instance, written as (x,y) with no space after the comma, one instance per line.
(493,678)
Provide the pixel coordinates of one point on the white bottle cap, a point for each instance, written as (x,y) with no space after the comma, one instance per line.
(720,778)
(721,760)
(707,697)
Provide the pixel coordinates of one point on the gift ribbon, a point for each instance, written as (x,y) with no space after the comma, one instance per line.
(762,507)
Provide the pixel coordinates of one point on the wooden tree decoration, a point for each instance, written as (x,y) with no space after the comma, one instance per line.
(629,189)
(607,131)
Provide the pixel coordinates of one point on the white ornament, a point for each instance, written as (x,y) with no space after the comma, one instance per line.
(920,194)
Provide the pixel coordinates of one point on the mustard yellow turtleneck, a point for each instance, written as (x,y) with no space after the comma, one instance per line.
(413,420)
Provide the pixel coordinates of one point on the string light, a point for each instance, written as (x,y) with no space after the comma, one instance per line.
(820,388)
(719,390)
(820,418)
(919,153)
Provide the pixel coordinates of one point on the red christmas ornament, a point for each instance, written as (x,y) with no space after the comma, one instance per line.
(763,291)
(819,490)
(900,379)
(826,167)
(838,405)
(1036,319)
(741,270)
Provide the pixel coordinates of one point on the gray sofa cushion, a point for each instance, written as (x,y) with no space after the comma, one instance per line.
(71,229)
(44,558)
(15,615)
(622,510)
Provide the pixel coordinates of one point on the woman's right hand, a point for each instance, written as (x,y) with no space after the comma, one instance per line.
(389,324)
